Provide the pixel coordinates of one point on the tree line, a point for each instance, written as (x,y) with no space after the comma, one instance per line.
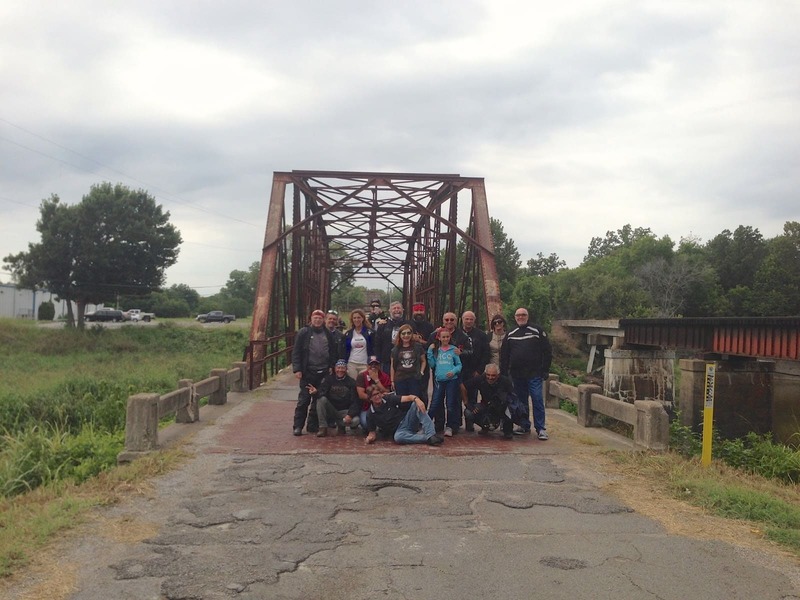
(115,245)
(633,273)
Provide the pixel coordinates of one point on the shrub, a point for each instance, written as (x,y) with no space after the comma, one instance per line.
(46,311)
(43,455)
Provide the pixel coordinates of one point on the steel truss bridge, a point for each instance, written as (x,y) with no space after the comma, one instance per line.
(426,235)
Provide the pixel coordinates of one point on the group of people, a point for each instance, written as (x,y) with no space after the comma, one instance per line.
(376,375)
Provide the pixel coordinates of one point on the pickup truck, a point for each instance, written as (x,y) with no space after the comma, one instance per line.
(215,316)
(136,315)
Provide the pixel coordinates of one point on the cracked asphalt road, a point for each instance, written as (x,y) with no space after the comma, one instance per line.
(514,521)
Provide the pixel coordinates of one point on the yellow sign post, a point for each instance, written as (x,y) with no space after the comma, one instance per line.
(708,414)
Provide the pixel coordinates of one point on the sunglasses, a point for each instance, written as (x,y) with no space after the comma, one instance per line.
(333,312)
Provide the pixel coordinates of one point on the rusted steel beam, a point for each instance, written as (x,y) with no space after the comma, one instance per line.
(762,337)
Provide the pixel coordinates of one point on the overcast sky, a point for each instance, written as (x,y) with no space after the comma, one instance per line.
(581,116)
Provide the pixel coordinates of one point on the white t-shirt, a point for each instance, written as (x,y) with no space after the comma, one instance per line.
(358,348)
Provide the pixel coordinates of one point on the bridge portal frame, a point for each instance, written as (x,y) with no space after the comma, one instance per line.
(429,231)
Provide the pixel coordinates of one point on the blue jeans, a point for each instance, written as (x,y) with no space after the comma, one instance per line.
(408,431)
(446,393)
(531,388)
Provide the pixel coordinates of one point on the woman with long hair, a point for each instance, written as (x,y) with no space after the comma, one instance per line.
(408,363)
(496,335)
(357,343)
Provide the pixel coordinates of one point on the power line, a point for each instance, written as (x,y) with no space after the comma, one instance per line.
(163,192)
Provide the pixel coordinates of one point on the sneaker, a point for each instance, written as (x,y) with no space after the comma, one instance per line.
(521,431)
(323,432)
(435,440)
(297,431)
(542,435)
(448,432)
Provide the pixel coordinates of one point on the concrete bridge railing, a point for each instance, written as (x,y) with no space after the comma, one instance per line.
(649,419)
(144,411)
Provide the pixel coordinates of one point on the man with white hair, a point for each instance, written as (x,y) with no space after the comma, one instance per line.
(525,356)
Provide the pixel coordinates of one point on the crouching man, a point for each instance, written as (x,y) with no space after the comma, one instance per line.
(386,415)
(493,409)
(338,404)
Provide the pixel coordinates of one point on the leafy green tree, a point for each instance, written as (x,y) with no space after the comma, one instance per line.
(600,247)
(737,256)
(506,258)
(242,284)
(535,294)
(777,281)
(115,241)
(167,306)
(545,265)
(184,292)
(49,263)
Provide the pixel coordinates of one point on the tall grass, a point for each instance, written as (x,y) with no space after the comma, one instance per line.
(753,453)
(63,393)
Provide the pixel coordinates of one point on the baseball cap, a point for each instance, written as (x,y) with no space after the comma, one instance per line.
(373,360)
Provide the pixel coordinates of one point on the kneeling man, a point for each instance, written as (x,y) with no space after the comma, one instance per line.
(386,415)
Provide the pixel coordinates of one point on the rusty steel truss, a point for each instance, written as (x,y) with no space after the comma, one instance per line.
(426,235)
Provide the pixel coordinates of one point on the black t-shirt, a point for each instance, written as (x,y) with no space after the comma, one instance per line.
(387,416)
(407,362)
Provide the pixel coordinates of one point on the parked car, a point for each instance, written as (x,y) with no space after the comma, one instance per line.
(136,315)
(215,316)
(106,314)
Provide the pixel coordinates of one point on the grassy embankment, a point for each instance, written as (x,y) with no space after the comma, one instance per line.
(62,416)
(751,480)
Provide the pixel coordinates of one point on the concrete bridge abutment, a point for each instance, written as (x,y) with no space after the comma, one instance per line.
(640,374)
(743,397)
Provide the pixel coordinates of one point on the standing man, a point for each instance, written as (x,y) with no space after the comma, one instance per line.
(474,356)
(387,334)
(376,314)
(332,323)
(526,356)
(423,329)
(421,325)
(313,357)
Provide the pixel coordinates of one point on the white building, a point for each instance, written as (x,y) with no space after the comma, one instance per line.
(24,304)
